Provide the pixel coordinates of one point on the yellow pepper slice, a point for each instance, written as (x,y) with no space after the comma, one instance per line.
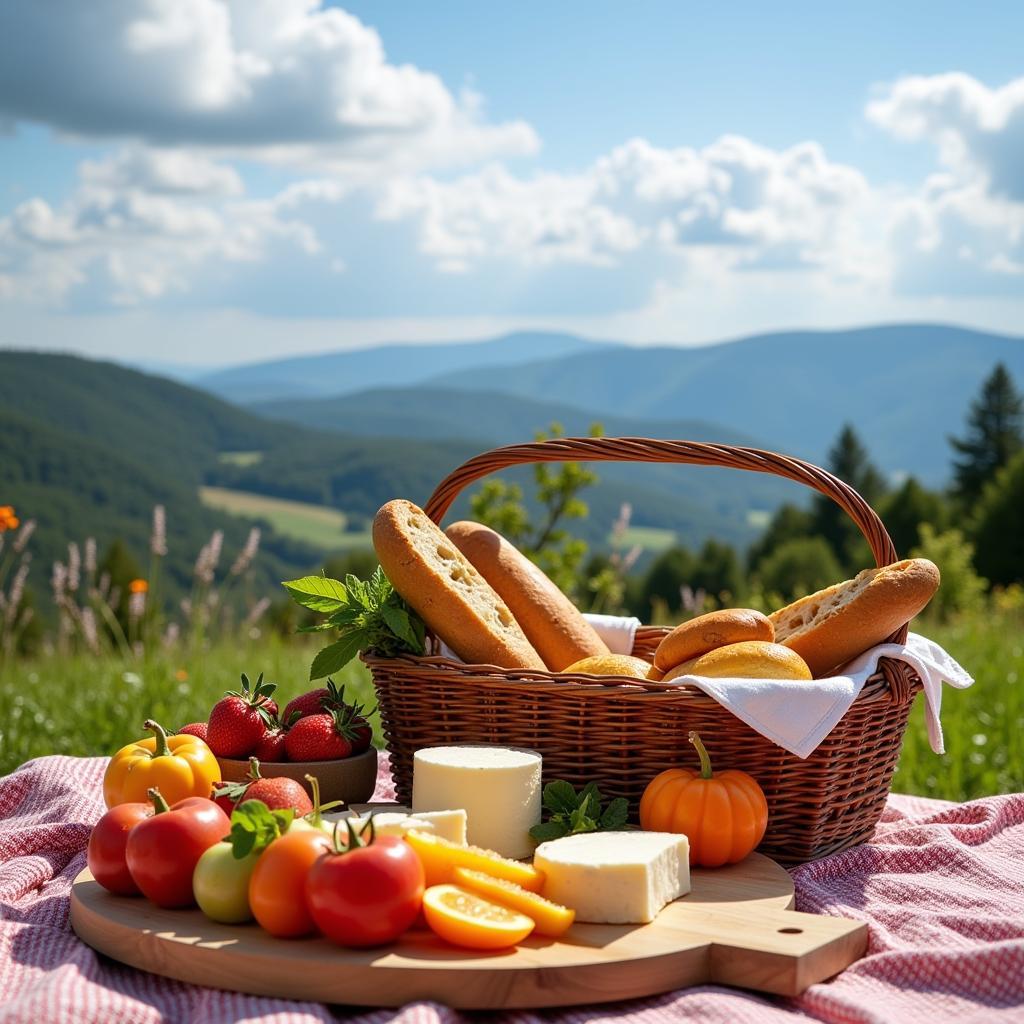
(179,766)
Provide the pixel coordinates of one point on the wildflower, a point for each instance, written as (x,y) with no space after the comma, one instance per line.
(136,604)
(138,587)
(90,556)
(74,567)
(248,553)
(181,675)
(257,611)
(158,541)
(8,520)
(89,631)
(27,529)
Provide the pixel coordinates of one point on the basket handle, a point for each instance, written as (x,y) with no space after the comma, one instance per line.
(698,453)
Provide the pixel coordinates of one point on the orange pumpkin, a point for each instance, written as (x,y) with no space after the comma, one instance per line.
(724,815)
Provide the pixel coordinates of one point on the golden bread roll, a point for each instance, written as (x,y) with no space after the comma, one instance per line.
(444,589)
(749,659)
(612,665)
(551,622)
(833,626)
(706,632)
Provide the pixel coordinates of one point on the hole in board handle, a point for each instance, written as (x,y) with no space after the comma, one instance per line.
(791,931)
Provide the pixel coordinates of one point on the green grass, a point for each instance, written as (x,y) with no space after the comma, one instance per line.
(242,459)
(94,705)
(314,524)
(650,538)
(90,705)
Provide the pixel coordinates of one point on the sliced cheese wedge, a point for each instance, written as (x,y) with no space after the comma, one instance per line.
(615,877)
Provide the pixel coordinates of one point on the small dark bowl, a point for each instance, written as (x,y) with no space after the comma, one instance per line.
(351,779)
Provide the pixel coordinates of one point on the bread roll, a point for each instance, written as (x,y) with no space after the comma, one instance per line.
(549,619)
(451,597)
(833,626)
(706,632)
(748,659)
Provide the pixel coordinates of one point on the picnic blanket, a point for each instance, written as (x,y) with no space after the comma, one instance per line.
(941,886)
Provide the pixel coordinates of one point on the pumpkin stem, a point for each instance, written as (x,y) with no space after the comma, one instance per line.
(705,761)
(163,748)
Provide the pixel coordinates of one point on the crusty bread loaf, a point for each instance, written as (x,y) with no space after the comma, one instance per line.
(451,597)
(833,626)
(706,632)
(747,659)
(549,619)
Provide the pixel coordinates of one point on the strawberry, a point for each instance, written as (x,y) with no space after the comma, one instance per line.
(239,720)
(323,737)
(314,702)
(194,729)
(272,746)
(277,793)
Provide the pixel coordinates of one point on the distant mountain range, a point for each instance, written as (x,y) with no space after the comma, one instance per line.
(340,373)
(904,387)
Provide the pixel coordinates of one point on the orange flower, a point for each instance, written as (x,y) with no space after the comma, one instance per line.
(8,520)
(138,587)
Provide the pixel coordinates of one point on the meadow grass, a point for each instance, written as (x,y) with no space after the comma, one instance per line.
(318,525)
(93,705)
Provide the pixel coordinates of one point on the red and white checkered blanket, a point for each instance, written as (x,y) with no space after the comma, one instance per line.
(941,886)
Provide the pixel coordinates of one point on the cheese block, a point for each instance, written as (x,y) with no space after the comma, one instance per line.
(499,787)
(450,825)
(615,877)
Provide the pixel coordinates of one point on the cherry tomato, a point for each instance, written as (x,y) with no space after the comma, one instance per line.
(277,886)
(366,895)
(107,844)
(220,883)
(162,851)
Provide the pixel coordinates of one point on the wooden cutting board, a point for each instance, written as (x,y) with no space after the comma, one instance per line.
(734,928)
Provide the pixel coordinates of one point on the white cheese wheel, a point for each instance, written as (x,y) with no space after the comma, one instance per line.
(615,877)
(499,787)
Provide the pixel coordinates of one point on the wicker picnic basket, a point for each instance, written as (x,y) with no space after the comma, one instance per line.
(621,732)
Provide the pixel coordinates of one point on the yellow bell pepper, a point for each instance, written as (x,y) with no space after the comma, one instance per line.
(179,766)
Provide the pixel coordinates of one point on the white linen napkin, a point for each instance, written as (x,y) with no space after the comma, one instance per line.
(798,714)
(617,631)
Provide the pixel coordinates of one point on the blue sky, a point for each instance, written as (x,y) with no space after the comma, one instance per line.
(209,181)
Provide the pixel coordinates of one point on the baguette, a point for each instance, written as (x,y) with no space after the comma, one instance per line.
(441,585)
(833,626)
(549,619)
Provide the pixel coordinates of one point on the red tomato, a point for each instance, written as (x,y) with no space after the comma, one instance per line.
(366,895)
(107,844)
(162,851)
(277,886)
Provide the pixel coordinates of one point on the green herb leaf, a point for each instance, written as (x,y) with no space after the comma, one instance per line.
(549,830)
(616,814)
(254,826)
(560,797)
(581,821)
(399,622)
(318,593)
(336,656)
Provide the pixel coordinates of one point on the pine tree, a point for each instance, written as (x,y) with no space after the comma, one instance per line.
(995,433)
(848,459)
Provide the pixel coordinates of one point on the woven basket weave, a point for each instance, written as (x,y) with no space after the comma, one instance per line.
(621,732)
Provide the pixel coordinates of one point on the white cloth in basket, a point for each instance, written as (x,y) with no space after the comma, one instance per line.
(798,714)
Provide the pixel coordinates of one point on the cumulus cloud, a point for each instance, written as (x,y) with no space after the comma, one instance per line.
(976,128)
(287,80)
(138,226)
(757,206)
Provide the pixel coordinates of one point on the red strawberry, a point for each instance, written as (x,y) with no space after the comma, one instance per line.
(239,720)
(277,793)
(323,737)
(363,733)
(272,746)
(314,702)
(194,729)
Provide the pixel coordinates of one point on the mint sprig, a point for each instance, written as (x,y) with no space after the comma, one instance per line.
(368,614)
(254,826)
(571,812)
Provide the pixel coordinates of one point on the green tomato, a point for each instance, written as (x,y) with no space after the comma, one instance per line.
(220,884)
(302,825)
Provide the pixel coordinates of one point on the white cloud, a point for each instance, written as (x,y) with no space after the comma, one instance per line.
(287,80)
(757,206)
(975,128)
(138,226)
